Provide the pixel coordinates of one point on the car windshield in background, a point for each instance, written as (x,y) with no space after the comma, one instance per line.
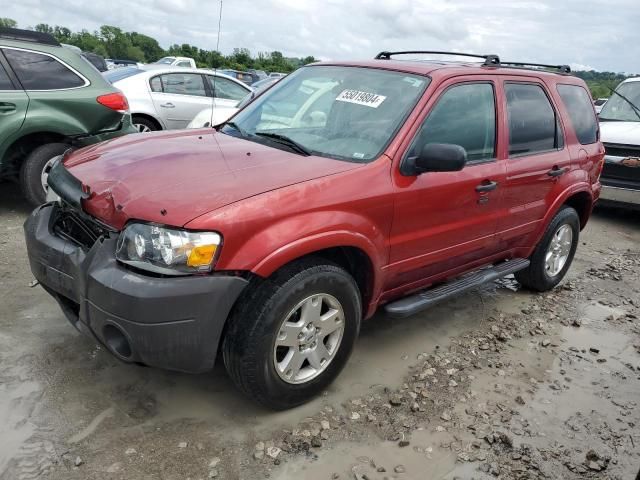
(348,113)
(118,74)
(624,104)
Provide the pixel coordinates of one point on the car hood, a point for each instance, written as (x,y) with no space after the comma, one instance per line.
(625,133)
(174,177)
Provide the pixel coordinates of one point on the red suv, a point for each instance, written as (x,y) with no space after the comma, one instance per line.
(345,187)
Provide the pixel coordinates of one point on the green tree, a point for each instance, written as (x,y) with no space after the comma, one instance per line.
(8,22)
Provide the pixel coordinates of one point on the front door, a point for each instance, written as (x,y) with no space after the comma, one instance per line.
(13,105)
(443,220)
(179,97)
(537,159)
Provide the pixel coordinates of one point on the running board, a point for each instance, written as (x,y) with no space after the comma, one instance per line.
(419,301)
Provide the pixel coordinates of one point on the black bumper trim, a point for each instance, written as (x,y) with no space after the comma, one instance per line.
(173,323)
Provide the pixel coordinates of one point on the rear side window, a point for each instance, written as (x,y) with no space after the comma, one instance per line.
(5,81)
(583,118)
(41,72)
(532,121)
(464,115)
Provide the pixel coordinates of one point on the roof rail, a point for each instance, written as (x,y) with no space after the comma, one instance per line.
(489,60)
(28,36)
(560,68)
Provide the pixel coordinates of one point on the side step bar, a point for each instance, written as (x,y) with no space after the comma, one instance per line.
(419,301)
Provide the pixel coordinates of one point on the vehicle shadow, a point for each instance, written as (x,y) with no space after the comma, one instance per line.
(11,199)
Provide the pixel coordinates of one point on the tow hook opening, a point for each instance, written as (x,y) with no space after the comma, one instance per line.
(117,342)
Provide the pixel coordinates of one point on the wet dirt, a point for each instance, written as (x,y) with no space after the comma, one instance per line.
(499,382)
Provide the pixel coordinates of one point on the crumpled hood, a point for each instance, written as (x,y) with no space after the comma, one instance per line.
(174,177)
(625,133)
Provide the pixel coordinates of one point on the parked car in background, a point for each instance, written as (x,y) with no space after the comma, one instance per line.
(93,58)
(267,243)
(211,117)
(244,77)
(620,133)
(51,100)
(114,63)
(164,62)
(169,98)
(599,103)
(257,74)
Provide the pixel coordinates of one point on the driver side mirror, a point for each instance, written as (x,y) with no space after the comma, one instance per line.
(436,157)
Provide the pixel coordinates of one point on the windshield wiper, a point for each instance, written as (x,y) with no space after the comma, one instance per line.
(284,140)
(635,109)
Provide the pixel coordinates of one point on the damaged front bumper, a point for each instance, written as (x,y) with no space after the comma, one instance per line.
(174,323)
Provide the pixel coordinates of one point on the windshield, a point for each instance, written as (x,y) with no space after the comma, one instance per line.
(166,60)
(118,74)
(617,108)
(348,113)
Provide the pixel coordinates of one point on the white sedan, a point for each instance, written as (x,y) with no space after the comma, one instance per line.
(169,98)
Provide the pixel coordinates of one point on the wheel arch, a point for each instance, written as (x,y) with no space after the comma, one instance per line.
(21,147)
(149,117)
(581,202)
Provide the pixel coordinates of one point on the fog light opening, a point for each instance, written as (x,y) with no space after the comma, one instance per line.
(117,342)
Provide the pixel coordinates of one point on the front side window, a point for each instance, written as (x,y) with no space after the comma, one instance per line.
(181,84)
(347,113)
(464,115)
(623,104)
(533,126)
(583,118)
(41,72)
(226,89)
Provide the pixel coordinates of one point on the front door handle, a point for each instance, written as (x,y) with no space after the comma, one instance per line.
(486,186)
(6,107)
(556,171)
(167,105)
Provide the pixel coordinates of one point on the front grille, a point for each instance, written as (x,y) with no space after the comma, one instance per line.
(620,150)
(77,227)
(618,175)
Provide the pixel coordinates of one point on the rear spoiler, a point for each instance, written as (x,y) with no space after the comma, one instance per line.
(68,187)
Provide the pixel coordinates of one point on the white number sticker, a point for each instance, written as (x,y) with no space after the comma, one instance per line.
(361,98)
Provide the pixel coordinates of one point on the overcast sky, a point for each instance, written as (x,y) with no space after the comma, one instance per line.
(585,33)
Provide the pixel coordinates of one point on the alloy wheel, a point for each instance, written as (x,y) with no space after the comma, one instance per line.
(558,250)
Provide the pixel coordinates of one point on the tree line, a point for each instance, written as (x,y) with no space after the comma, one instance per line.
(113,42)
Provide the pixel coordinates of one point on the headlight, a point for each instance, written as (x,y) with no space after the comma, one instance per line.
(166,250)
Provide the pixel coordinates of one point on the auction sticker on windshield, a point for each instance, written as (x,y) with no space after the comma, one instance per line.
(361,98)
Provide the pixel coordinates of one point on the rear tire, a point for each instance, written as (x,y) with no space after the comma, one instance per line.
(144,125)
(34,171)
(252,347)
(554,245)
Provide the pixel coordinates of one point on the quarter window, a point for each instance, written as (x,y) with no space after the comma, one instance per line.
(532,121)
(226,89)
(583,118)
(41,72)
(464,115)
(180,84)
(5,81)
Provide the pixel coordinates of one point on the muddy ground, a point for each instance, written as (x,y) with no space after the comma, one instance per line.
(498,383)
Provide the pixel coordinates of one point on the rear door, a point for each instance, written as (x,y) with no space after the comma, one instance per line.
(226,93)
(538,158)
(13,104)
(444,220)
(179,97)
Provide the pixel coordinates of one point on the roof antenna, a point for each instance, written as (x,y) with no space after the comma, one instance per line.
(215,69)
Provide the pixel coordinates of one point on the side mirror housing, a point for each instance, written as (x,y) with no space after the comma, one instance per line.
(436,157)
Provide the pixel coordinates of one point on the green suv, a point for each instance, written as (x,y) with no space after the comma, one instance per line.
(51,100)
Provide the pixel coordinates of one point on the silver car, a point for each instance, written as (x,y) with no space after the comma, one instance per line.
(169,98)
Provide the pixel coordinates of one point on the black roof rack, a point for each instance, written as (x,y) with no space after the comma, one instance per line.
(28,36)
(489,60)
(560,68)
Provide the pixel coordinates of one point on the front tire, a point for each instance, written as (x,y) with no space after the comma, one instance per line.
(35,170)
(292,334)
(553,256)
(144,125)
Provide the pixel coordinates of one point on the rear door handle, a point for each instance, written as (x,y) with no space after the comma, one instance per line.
(486,186)
(556,171)
(168,105)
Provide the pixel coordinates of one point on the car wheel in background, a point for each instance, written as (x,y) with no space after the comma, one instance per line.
(144,125)
(553,256)
(35,171)
(291,335)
